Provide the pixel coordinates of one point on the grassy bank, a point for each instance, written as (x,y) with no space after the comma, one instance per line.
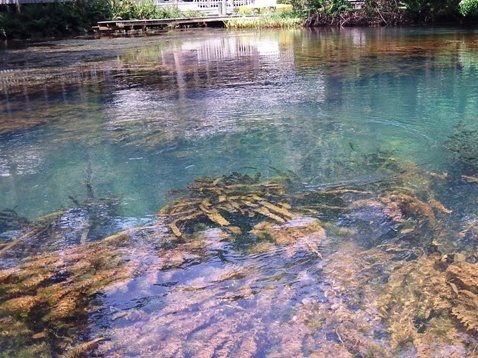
(270,20)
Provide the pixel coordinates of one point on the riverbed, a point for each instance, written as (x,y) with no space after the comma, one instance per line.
(277,193)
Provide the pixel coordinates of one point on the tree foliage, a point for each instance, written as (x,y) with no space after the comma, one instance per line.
(426,10)
(146,9)
(75,17)
(51,19)
(468,7)
(388,12)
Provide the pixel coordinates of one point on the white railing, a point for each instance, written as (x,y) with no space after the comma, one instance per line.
(207,6)
(215,3)
(204,3)
(215,6)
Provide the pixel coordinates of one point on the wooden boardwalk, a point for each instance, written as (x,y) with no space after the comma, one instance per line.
(161,24)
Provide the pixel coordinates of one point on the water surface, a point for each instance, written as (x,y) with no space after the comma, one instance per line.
(163,111)
(134,118)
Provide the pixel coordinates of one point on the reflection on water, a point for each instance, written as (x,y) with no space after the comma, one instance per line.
(353,234)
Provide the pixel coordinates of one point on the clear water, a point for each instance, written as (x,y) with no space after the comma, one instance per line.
(139,117)
(163,111)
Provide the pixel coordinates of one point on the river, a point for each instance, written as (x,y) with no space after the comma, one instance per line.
(369,134)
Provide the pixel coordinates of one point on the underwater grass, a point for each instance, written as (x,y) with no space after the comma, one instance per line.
(266,21)
(414,286)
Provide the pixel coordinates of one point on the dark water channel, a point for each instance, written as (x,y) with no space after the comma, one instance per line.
(370,135)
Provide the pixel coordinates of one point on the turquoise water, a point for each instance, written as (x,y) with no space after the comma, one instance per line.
(134,118)
(163,111)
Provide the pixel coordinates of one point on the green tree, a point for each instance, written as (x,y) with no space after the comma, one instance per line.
(468,7)
(329,7)
(52,19)
(430,10)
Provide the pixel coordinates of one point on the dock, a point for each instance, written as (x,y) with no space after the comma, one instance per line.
(126,26)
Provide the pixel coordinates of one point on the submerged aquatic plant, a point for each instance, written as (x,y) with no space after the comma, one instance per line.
(49,295)
(425,299)
(10,220)
(60,229)
(228,201)
(377,275)
(464,144)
